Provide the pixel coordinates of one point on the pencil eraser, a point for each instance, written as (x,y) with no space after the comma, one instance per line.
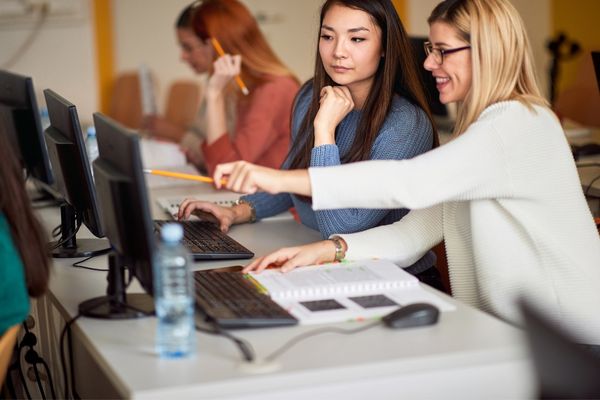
(259,367)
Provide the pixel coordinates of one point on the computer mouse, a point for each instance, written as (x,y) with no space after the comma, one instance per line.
(416,314)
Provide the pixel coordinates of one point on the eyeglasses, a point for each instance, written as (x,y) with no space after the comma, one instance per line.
(438,54)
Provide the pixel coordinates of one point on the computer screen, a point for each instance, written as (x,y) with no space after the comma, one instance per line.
(126,219)
(20,117)
(73,179)
(431,92)
(596,60)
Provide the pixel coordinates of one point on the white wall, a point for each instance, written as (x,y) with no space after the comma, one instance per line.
(535,13)
(61,57)
(290,26)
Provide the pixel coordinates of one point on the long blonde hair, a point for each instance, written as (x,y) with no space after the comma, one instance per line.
(502,62)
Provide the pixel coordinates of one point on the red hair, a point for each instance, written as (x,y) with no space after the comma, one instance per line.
(237,31)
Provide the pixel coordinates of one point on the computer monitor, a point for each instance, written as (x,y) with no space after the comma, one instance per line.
(73,180)
(126,219)
(439,110)
(564,369)
(596,60)
(20,118)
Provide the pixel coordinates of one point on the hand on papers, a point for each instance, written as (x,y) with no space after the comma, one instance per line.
(225,68)
(335,103)
(244,177)
(289,258)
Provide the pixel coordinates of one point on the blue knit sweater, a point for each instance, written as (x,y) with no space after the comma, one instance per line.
(406,133)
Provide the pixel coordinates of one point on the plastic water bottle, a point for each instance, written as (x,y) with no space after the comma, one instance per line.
(91,146)
(44,118)
(175,336)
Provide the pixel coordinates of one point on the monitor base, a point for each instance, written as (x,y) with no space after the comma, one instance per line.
(83,248)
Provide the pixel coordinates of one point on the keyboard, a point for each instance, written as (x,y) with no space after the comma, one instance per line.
(231,300)
(170,205)
(205,241)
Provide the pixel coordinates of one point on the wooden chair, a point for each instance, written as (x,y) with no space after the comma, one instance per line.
(580,102)
(7,344)
(126,104)
(183,100)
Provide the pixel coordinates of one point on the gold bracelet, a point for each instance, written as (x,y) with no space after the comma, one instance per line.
(252,209)
(340,254)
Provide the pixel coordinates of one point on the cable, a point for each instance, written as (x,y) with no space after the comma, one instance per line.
(57,231)
(71,236)
(243,346)
(49,377)
(590,186)
(29,40)
(33,358)
(78,264)
(297,339)
(67,330)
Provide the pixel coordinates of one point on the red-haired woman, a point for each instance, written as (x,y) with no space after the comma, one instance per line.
(232,126)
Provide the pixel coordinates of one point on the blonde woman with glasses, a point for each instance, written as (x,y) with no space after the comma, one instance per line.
(504,194)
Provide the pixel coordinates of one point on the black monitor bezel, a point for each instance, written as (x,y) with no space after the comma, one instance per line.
(123,198)
(18,101)
(69,159)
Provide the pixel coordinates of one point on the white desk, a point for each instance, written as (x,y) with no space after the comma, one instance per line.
(468,354)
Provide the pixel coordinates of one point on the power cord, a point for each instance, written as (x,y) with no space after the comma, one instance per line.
(244,347)
(33,358)
(67,331)
(591,184)
(29,40)
(249,354)
(79,264)
(303,336)
(71,236)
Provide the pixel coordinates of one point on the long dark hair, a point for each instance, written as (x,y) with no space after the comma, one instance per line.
(27,233)
(397,74)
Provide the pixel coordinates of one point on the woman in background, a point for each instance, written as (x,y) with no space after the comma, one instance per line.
(232,126)
(24,265)
(504,194)
(365,102)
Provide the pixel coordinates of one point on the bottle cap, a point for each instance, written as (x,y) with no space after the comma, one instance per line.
(91,130)
(171,233)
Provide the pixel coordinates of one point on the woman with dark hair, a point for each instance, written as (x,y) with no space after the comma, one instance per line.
(24,265)
(504,194)
(231,125)
(365,102)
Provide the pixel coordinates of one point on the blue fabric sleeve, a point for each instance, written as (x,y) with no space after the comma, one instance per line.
(265,204)
(405,134)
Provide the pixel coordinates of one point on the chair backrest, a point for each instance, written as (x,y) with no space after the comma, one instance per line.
(7,344)
(581,101)
(126,103)
(182,102)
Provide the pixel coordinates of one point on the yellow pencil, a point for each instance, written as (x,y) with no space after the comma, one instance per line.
(221,53)
(179,175)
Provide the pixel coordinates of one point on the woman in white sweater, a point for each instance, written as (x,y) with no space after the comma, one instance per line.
(504,194)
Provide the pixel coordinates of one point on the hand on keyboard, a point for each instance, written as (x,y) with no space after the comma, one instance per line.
(224,217)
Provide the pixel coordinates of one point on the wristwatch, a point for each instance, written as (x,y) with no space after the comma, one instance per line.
(252,209)
(339,248)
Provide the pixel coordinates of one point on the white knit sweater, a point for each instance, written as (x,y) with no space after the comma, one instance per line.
(505,196)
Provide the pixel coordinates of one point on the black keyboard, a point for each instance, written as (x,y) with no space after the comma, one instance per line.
(206,241)
(232,301)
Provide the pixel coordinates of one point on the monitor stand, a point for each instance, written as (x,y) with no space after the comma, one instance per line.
(72,247)
(117,304)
